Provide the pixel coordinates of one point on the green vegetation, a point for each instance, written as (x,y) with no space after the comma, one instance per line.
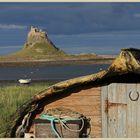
(38,47)
(13,96)
(39,50)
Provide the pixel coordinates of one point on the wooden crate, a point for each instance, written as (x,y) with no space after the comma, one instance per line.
(43,129)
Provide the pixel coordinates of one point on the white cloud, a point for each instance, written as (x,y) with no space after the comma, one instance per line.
(10,47)
(137,15)
(12,26)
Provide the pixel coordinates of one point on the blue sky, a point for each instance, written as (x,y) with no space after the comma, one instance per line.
(69,20)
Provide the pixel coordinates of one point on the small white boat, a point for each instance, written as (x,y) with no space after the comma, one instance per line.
(24,81)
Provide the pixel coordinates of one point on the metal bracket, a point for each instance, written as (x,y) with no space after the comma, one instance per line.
(111,104)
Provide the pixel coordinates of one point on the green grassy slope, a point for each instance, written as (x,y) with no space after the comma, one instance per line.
(39,50)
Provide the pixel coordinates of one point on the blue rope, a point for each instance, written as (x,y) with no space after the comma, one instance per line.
(53,119)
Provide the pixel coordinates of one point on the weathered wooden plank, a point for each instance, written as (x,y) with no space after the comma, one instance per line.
(95,120)
(104,94)
(138,112)
(87,102)
(95,131)
(98,135)
(131,111)
(77,100)
(83,109)
(123,113)
(122,107)
(80,97)
(95,124)
(112,111)
(88,92)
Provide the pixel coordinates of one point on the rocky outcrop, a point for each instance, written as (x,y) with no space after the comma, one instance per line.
(35,36)
(38,45)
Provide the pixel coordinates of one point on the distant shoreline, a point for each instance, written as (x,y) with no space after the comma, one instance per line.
(45,62)
(3,82)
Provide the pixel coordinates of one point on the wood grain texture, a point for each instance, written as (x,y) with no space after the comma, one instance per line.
(79,100)
(131,111)
(87,102)
(138,112)
(112,112)
(89,93)
(123,116)
(104,97)
(90,111)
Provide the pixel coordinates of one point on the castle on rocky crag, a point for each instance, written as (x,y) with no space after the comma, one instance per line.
(36,35)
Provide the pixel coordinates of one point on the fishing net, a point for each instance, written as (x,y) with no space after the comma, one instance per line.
(62,112)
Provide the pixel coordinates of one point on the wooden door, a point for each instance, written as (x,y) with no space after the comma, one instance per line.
(120,110)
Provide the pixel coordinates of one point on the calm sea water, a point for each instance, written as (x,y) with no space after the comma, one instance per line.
(50,73)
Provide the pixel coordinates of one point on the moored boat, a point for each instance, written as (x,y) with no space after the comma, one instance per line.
(24,81)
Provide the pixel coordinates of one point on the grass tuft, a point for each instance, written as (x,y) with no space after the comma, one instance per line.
(13,96)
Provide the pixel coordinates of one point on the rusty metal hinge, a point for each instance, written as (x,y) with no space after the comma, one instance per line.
(111,104)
